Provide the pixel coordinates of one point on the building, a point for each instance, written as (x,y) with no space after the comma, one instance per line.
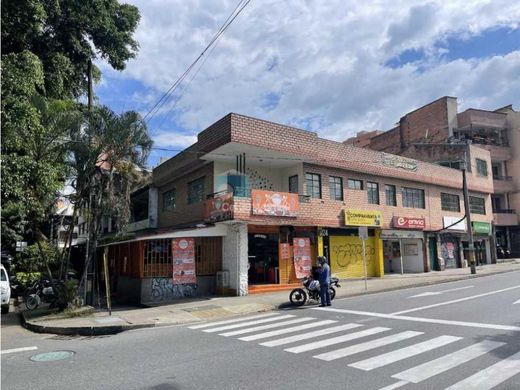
(254,202)
(438,133)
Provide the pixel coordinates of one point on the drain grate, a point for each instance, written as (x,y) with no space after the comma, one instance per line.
(51,356)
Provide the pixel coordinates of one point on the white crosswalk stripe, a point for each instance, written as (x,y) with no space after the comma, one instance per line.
(268,326)
(286,330)
(207,325)
(366,346)
(309,335)
(242,324)
(336,340)
(403,353)
(447,362)
(491,376)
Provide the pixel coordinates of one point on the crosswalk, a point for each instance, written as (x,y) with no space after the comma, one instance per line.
(329,340)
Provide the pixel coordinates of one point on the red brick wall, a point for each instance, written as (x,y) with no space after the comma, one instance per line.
(389,141)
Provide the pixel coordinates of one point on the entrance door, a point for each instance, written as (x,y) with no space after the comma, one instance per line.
(432,248)
(263,258)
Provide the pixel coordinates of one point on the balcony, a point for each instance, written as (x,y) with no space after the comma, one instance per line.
(507,217)
(503,184)
(498,153)
(138,225)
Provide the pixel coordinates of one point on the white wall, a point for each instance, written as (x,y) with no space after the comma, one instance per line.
(234,259)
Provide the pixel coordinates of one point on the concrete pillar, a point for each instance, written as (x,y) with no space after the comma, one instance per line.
(153,204)
(235,260)
(379,257)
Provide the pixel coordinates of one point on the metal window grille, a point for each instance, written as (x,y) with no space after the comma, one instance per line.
(168,199)
(196,191)
(477,205)
(158,258)
(413,197)
(450,202)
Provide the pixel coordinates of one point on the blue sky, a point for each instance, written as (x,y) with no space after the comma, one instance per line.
(334,67)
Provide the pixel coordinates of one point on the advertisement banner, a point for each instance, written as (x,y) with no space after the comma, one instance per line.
(302,256)
(481,227)
(409,223)
(277,204)
(183,258)
(363,218)
(219,208)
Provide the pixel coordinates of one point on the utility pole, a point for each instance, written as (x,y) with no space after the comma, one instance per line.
(471,244)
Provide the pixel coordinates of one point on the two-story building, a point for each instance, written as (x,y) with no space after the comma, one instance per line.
(252,203)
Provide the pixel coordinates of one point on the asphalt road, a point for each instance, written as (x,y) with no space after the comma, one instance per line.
(459,336)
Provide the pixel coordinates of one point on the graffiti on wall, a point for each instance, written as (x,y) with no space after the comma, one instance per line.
(347,254)
(449,251)
(163,289)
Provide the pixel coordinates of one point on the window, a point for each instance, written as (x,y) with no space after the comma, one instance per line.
(390,195)
(293,184)
(450,202)
(336,188)
(451,164)
(354,184)
(477,205)
(481,167)
(168,200)
(413,197)
(196,191)
(313,182)
(373,192)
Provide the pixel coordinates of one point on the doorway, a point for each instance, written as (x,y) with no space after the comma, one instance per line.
(263,258)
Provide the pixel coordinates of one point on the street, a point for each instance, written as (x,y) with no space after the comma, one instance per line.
(458,335)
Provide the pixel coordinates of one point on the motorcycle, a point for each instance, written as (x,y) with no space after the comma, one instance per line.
(40,291)
(311,290)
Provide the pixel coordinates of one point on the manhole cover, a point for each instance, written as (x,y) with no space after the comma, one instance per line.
(51,356)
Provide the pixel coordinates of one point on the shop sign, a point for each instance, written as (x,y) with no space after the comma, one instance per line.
(393,161)
(481,227)
(219,208)
(183,257)
(302,256)
(285,251)
(276,204)
(397,234)
(448,221)
(363,218)
(408,223)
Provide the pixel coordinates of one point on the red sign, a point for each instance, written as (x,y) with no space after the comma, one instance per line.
(285,251)
(277,204)
(183,257)
(219,208)
(302,257)
(409,223)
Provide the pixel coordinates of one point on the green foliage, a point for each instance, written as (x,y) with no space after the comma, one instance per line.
(32,260)
(66,294)
(26,279)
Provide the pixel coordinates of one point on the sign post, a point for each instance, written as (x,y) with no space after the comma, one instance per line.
(363,235)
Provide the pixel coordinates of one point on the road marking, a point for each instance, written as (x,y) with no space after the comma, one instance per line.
(394,385)
(206,325)
(514,303)
(430,293)
(336,340)
(403,353)
(422,319)
(491,376)
(264,327)
(427,370)
(23,349)
(309,335)
(242,324)
(286,330)
(455,301)
(353,349)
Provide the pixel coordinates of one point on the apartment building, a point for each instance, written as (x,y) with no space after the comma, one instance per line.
(438,133)
(252,203)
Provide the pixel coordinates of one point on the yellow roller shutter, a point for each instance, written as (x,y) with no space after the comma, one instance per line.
(346,256)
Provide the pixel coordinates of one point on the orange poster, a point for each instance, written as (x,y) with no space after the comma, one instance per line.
(302,257)
(219,208)
(183,257)
(278,204)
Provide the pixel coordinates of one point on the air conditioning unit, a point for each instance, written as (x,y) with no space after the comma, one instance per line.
(222,279)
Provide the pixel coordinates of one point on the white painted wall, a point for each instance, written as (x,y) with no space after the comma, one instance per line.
(235,257)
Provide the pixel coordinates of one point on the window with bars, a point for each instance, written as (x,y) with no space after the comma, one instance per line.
(373,192)
(336,188)
(355,184)
(482,167)
(450,202)
(196,191)
(168,200)
(313,183)
(390,195)
(413,197)
(293,184)
(477,205)
(158,258)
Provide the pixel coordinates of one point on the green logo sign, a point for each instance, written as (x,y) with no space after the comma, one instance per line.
(481,227)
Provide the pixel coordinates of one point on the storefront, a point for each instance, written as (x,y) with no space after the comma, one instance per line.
(481,239)
(403,251)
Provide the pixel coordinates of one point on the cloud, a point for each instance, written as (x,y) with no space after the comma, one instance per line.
(174,140)
(318,65)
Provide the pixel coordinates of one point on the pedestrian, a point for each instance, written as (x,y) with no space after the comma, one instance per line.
(324,281)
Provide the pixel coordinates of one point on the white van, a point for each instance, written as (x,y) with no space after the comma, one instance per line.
(5,290)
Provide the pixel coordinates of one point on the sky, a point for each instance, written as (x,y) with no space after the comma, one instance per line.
(333,67)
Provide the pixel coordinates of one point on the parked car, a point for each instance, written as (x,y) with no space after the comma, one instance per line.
(5,290)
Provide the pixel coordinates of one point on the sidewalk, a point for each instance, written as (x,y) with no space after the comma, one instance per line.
(126,318)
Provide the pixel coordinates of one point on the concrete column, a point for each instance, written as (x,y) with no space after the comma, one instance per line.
(379,257)
(153,204)
(235,260)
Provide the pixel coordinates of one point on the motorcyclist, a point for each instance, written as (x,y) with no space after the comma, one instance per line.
(324,278)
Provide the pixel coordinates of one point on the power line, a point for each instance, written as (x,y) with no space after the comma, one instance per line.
(166,96)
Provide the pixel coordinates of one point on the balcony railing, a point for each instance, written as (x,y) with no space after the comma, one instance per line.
(504,178)
(504,211)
